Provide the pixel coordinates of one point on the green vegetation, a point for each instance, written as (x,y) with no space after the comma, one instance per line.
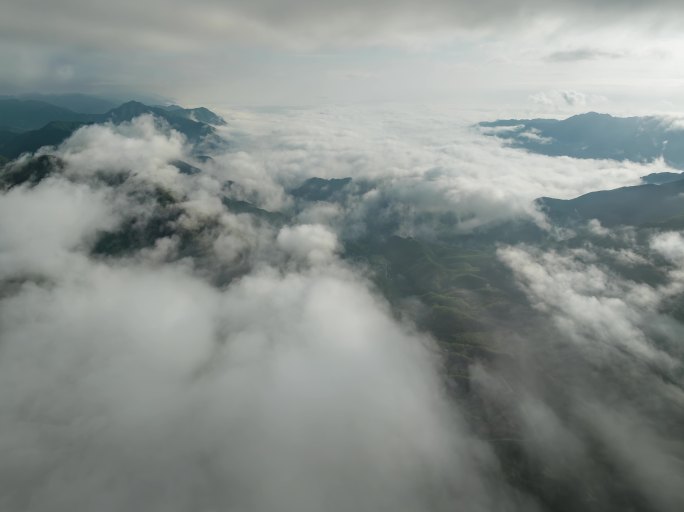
(461,289)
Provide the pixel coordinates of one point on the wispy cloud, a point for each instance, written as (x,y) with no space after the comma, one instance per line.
(580,54)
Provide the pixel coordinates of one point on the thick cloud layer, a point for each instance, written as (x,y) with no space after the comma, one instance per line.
(139,384)
(176,23)
(147,389)
(413,162)
(239,362)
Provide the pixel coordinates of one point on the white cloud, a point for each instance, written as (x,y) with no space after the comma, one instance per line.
(418,160)
(137,383)
(45,226)
(310,242)
(146,387)
(138,147)
(256,371)
(567,101)
(594,307)
(670,245)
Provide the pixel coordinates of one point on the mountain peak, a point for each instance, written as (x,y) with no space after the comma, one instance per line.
(130,105)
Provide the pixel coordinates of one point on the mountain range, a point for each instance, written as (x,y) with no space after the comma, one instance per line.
(594,135)
(26,125)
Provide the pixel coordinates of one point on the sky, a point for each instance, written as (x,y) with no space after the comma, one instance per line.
(526,55)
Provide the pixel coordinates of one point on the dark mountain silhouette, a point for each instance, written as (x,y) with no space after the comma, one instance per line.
(594,135)
(24,115)
(639,205)
(320,189)
(52,134)
(82,103)
(658,178)
(194,130)
(6,135)
(31,124)
(201,114)
(185,168)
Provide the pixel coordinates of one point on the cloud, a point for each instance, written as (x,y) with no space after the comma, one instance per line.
(132,387)
(582,381)
(211,52)
(44,227)
(151,380)
(405,163)
(566,100)
(580,54)
(240,363)
(312,243)
(597,309)
(177,24)
(139,146)
(670,245)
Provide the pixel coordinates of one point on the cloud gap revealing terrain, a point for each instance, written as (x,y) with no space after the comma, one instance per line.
(338,309)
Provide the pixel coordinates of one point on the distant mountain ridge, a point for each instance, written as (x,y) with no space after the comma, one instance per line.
(595,135)
(659,178)
(82,103)
(200,114)
(52,134)
(177,119)
(23,115)
(26,125)
(633,206)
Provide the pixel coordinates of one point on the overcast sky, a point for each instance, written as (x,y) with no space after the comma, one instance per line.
(546,55)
